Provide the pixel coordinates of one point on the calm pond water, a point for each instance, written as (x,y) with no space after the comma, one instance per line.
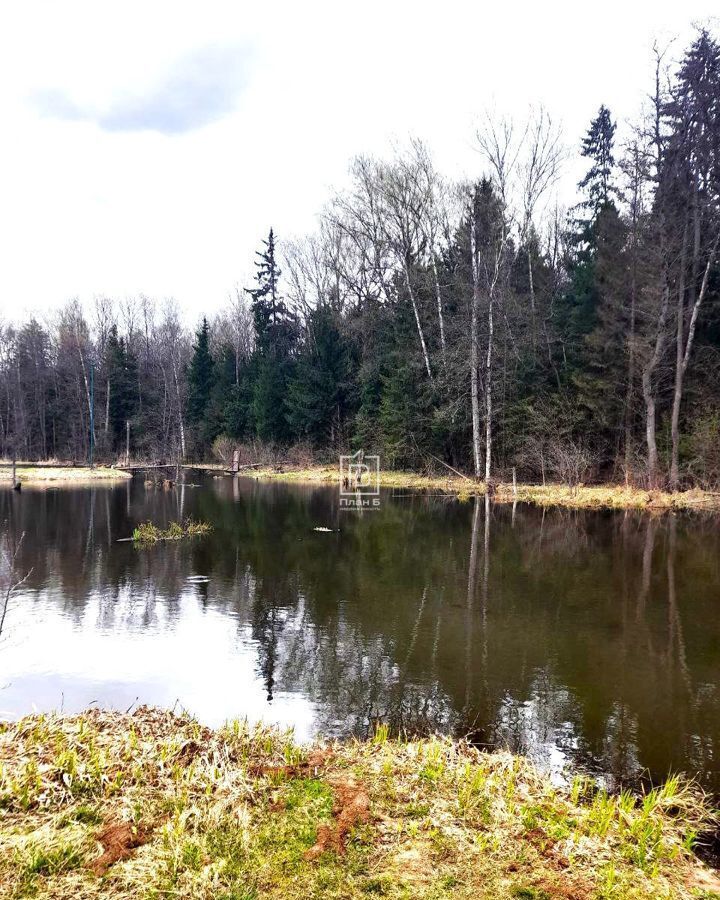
(588,638)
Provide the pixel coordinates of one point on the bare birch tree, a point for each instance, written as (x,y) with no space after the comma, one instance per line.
(541,159)
(500,151)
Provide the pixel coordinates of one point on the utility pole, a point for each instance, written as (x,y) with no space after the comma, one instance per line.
(92,414)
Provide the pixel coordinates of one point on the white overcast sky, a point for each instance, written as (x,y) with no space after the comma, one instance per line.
(148,147)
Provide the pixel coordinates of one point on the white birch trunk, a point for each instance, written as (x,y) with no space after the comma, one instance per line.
(683,358)
(417,322)
(181,424)
(441,318)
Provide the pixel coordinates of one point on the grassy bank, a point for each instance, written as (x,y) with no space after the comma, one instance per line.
(153,805)
(42,475)
(585,496)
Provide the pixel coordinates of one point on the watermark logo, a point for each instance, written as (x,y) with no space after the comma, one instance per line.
(359,481)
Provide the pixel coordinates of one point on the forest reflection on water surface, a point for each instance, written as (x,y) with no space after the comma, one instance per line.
(586,638)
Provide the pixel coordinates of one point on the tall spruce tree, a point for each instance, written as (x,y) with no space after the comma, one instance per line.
(232,396)
(275,334)
(596,209)
(319,393)
(275,328)
(597,296)
(200,386)
(121,377)
(597,146)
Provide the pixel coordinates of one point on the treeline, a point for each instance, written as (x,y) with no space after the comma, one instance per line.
(475,324)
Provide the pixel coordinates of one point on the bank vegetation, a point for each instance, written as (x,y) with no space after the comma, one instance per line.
(151,804)
(575,496)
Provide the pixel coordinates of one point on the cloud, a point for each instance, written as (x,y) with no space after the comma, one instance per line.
(200,88)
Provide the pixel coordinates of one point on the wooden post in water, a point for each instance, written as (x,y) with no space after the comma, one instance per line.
(127,442)
(236,462)
(514,506)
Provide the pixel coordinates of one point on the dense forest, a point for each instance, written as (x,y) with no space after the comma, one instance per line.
(473,324)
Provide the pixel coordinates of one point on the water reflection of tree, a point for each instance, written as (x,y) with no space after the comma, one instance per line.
(594,634)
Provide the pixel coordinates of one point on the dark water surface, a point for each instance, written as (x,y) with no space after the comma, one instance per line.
(576,637)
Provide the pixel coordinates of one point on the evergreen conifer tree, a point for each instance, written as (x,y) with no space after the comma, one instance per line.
(121,376)
(200,386)
(275,332)
(597,294)
(597,146)
(319,392)
(274,323)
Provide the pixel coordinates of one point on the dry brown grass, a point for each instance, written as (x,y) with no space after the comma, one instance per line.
(165,807)
(581,497)
(78,475)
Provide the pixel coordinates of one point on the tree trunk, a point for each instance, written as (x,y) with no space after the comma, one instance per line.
(488,386)
(630,380)
(417,322)
(87,384)
(441,319)
(631,342)
(181,424)
(648,390)
(684,358)
(531,284)
(679,354)
(654,359)
(475,353)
